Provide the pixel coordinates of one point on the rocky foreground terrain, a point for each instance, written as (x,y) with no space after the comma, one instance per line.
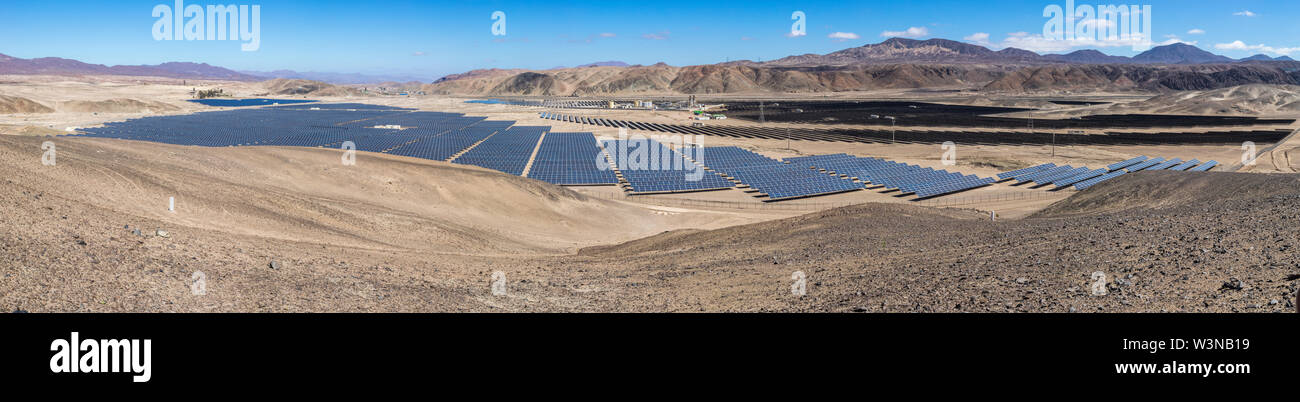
(270,230)
(1165,241)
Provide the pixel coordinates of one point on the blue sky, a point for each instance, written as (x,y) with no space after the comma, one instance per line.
(431,39)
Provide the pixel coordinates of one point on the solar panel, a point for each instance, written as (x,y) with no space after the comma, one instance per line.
(776,179)
(1066,182)
(507,151)
(648,167)
(571,159)
(1166,164)
(1083,185)
(1031,169)
(220,102)
(1145,164)
(1185,165)
(1127,163)
(1205,167)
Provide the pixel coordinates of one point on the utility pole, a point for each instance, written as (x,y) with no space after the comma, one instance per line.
(893,129)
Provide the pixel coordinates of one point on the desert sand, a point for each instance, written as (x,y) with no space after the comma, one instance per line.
(293,229)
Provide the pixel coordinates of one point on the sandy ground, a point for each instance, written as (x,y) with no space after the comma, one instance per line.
(403,234)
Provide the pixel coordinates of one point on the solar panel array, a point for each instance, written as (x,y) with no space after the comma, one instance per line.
(262,126)
(220,102)
(443,146)
(775,179)
(1082,178)
(647,166)
(923,182)
(508,151)
(571,159)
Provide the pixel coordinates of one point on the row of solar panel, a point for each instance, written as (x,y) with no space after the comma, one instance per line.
(571,159)
(884,174)
(647,166)
(508,151)
(1082,178)
(775,179)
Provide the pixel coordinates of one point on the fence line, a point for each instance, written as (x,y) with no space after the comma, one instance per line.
(795,205)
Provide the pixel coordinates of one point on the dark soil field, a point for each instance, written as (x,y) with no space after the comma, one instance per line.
(939,115)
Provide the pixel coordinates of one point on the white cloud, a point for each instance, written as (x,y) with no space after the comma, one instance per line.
(607,35)
(1038,43)
(1096,24)
(978,37)
(843,36)
(656,36)
(913,32)
(418,54)
(1239,45)
(1245,13)
(1175,39)
(793,34)
(1196,31)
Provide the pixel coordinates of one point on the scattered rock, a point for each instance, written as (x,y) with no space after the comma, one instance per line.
(1022,280)
(275,264)
(859,309)
(1232,284)
(162,233)
(19,311)
(1272,302)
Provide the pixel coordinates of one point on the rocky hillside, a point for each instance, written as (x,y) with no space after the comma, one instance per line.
(282,86)
(1159,78)
(713,79)
(1256,99)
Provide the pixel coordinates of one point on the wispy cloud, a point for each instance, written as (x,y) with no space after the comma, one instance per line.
(657,36)
(1096,24)
(1239,45)
(1196,31)
(1245,13)
(980,38)
(913,32)
(418,54)
(746,38)
(608,34)
(843,36)
(1038,43)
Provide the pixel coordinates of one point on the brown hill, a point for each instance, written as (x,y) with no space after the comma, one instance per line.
(1142,77)
(116,105)
(281,86)
(14,105)
(733,78)
(1255,99)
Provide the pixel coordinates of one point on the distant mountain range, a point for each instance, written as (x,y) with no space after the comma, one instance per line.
(900,50)
(893,63)
(336,78)
(61,66)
